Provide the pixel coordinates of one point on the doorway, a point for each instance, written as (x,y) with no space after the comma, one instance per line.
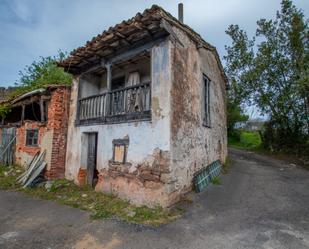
(92,172)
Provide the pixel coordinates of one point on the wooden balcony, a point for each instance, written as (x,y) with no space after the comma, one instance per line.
(117,106)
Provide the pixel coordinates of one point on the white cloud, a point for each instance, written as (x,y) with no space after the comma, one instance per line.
(30,29)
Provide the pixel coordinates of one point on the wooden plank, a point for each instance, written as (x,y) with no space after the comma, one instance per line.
(35,173)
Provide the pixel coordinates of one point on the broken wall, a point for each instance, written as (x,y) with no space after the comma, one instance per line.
(52,135)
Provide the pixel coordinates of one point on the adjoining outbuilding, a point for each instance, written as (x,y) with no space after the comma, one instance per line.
(37,122)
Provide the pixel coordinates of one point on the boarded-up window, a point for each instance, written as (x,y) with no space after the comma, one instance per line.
(120,150)
(206,101)
(32,137)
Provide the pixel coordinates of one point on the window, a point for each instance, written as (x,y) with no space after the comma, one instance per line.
(120,149)
(32,137)
(206,101)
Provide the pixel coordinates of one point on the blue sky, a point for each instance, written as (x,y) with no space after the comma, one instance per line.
(33,28)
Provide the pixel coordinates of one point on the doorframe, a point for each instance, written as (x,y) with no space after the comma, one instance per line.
(87,157)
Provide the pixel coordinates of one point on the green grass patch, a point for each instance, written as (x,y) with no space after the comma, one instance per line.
(216,181)
(246,140)
(101,206)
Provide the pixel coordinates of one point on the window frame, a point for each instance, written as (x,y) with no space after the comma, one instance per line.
(206,101)
(36,133)
(125,144)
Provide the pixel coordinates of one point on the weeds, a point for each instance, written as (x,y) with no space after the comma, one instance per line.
(216,181)
(101,206)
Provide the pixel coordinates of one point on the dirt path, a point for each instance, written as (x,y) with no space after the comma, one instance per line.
(261,203)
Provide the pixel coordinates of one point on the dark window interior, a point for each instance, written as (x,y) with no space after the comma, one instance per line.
(118,83)
(33,112)
(14,115)
(206,101)
(32,137)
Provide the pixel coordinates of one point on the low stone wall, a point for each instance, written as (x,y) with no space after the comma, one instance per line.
(144,184)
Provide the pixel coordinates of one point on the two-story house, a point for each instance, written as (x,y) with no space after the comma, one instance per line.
(147,109)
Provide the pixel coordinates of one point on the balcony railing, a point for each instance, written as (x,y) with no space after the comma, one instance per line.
(121,105)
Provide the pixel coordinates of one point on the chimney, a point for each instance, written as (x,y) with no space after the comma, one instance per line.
(180,12)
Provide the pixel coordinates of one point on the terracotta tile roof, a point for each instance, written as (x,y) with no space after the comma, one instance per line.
(143,27)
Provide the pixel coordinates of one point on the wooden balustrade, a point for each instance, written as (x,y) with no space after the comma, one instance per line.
(133,102)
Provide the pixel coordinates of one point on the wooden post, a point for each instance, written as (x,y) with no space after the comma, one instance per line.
(109,88)
(42,110)
(22,113)
(109,76)
(78,82)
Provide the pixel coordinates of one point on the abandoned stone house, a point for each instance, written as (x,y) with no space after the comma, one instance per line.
(37,122)
(147,109)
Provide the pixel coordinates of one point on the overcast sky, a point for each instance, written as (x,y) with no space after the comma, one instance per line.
(33,28)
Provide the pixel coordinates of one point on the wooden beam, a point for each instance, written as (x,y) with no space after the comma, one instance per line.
(165,25)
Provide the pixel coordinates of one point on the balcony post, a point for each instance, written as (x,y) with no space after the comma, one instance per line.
(109,76)
(109,88)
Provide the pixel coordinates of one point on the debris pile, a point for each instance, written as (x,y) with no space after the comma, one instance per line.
(32,174)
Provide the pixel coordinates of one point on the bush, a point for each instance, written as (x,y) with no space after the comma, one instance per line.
(245,139)
(250,139)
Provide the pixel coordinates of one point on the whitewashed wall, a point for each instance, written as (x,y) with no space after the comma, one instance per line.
(145,136)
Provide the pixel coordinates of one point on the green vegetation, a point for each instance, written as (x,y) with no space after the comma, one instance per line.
(216,181)
(100,205)
(4,110)
(245,140)
(41,73)
(271,72)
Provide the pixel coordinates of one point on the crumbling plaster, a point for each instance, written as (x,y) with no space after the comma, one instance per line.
(193,145)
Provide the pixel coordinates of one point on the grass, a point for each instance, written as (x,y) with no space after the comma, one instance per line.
(247,140)
(252,141)
(226,165)
(101,206)
(216,181)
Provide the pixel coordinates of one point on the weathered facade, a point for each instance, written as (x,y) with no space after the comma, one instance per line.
(147,109)
(40,121)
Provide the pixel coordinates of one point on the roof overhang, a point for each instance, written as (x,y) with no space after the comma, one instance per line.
(145,27)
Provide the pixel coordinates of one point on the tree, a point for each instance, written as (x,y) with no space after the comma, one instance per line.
(42,73)
(273,74)
(39,74)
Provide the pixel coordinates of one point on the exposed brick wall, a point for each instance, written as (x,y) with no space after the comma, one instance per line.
(52,135)
(58,121)
(23,152)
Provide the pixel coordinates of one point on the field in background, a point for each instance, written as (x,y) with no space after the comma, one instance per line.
(245,140)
